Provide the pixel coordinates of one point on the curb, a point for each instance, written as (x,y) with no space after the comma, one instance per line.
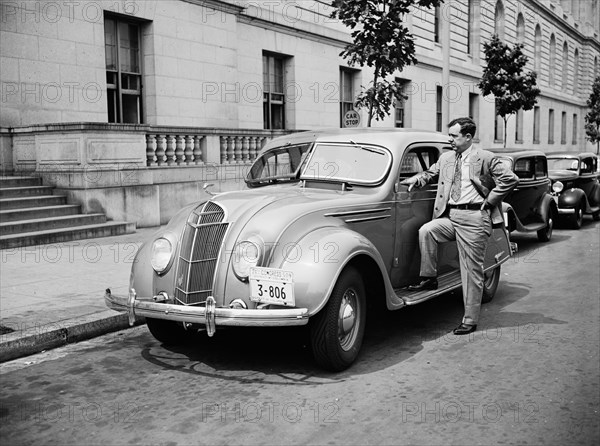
(34,340)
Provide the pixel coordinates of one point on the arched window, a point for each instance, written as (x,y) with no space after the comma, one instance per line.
(552,61)
(520,29)
(576,72)
(565,66)
(538,49)
(499,20)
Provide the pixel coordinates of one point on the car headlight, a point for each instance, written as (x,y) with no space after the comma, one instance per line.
(557,187)
(246,254)
(162,252)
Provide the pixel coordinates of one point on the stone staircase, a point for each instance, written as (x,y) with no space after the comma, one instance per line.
(31,215)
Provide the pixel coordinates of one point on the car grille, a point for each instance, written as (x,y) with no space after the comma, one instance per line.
(202,239)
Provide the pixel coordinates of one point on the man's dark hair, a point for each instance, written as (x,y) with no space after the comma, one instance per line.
(467,125)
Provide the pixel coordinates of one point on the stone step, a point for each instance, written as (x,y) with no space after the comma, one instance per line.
(66,234)
(42,224)
(29,202)
(27,191)
(38,212)
(20,181)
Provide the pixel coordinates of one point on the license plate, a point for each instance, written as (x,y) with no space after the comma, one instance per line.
(272,286)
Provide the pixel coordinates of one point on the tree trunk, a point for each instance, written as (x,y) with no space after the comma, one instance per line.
(375,79)
(505,119)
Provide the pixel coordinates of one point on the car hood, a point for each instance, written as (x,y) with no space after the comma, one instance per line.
(278,205)
(562,175)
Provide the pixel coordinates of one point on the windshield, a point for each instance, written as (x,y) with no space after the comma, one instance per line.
(277,165)
(563,164)
(351,163)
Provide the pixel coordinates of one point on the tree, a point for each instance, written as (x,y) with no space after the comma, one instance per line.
(592,119)
(380,41)
(503,77)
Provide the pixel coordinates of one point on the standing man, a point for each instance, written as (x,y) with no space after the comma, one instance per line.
(471,185)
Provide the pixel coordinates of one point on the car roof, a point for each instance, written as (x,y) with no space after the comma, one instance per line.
(392,138)
(570,154)
(517,153)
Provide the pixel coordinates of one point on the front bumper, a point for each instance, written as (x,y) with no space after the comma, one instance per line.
(208,315)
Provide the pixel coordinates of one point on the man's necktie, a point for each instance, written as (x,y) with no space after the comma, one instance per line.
(455,191)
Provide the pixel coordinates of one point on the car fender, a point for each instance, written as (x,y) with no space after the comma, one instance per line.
(570,198)
(547,206)
(319,258)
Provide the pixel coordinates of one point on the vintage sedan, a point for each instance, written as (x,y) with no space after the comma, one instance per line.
(530,206)
(324,230)
(575,185)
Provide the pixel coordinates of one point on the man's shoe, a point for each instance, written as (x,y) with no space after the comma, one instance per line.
(425,283)
(464,329)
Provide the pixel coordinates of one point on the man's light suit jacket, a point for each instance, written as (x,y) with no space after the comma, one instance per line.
(492,178)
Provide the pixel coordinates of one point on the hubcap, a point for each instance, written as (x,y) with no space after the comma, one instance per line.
(347,319)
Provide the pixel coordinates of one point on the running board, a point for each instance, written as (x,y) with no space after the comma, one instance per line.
(446,283)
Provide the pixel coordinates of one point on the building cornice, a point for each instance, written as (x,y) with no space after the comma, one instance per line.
(558,21)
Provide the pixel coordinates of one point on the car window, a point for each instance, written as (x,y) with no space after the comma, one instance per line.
(417,160)
(523,168)
(587,165)
(279,164)
(352,163)
(563,164)
(541,167)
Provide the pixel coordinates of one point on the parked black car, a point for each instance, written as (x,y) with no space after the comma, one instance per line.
(575,185)
(530,206)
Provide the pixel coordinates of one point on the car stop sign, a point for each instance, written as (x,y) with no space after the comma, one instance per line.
(351,119)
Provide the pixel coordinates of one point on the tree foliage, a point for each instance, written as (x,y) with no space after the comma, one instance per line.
(380,40)
(504,77)
(592,119)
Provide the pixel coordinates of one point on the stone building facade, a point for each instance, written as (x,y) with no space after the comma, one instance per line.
(129,106)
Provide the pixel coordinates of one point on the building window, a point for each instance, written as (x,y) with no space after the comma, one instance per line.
(565,66)
(551,126)
(346,92)
(596,74)
(122,46)
(520,29)
(437,20)
(474,107)
(575,128)
(499,20)
(538,49)
(400,106)
(536,125)
(273,91)
(519,127)
(552,62)
(438,108)
(498,127)
(563,128)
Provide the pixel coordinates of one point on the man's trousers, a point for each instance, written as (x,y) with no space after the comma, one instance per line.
(471,230)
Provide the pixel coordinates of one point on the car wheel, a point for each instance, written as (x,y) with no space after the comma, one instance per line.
(545,234)
(167,332)
(596,216)
(337,331)
(577,217)
(490,284)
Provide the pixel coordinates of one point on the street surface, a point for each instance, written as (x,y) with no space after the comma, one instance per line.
(529,375)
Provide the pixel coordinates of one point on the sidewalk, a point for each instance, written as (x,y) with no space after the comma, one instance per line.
(52,295)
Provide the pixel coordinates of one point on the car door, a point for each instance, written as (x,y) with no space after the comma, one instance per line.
(587,179)
(414,209)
